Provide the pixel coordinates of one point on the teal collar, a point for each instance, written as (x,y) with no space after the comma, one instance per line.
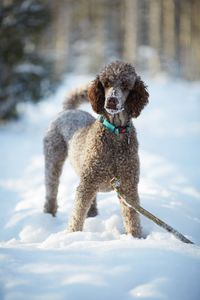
(115,129)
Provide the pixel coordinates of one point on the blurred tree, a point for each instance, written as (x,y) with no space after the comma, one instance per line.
(130,23)
(24,74)
(155,34)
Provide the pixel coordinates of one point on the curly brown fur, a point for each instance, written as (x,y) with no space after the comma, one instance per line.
(96,95)
(137,98)
(96,154)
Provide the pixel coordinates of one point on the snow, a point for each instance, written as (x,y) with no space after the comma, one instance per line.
(40,260)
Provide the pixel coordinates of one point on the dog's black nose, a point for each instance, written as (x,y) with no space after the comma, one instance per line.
(112,103)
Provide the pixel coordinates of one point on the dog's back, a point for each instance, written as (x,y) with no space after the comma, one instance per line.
(70,121)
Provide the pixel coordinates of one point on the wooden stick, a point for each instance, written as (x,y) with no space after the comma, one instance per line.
(115,182)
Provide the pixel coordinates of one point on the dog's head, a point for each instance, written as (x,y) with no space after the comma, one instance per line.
(117,88)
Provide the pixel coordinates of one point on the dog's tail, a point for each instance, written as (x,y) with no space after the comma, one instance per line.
(76,98)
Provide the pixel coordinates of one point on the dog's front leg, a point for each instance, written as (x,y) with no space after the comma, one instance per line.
(130,217)
(85,195)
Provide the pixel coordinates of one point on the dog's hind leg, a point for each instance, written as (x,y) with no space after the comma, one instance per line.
(55,151)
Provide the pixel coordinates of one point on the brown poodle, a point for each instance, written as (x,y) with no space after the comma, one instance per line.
(98,149)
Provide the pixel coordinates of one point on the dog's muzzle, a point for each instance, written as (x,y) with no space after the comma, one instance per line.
(113,106)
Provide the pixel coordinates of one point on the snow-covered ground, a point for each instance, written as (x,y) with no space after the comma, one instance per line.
(39,260)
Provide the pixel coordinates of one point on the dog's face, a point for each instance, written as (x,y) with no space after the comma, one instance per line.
(117,88)
(114,99)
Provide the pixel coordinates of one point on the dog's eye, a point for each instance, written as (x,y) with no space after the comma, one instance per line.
(126,86)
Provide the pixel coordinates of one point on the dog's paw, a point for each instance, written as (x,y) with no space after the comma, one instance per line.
(50,208)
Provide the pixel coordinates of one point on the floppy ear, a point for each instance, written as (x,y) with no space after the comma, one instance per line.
(96,95)
(137,98)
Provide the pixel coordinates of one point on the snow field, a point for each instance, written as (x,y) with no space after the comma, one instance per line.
(39,260)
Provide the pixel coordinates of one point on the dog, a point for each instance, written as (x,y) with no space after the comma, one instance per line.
(98,149)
